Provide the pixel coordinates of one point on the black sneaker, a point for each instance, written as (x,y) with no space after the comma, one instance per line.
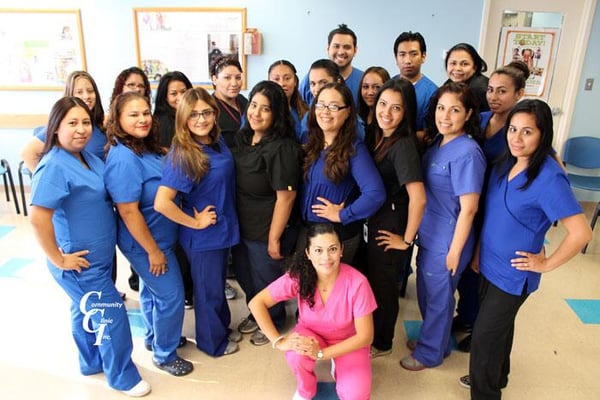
(465,381)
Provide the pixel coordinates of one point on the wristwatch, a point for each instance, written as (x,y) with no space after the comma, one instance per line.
(320,354)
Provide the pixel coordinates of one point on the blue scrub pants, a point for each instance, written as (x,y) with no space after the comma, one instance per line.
(435,293)
(161,299)
(99,323)
(208,269)
(255,269)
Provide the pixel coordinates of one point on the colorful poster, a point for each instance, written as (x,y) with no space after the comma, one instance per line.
(537,48)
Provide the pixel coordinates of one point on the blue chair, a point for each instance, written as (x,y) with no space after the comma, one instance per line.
(8,181)
(584,152)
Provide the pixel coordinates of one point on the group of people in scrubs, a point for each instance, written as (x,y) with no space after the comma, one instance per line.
(351,177)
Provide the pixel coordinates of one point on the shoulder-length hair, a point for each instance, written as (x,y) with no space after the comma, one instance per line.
(543,120)
(283,125)
(408,125)
(57,114)
(363,108)
(115,131)
(467,98)
(122,78)
(337,159)
(186,153)
(300,268)
(97,111)
(295,100)
(160,101)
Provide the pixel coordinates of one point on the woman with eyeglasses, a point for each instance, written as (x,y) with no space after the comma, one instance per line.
(267,160)
(341,184)
(200,170)
(226,75)
(146,238)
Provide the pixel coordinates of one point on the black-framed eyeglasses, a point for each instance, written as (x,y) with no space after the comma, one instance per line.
(330,107)
(206,114)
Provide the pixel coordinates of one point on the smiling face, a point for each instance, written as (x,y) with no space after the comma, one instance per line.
(228,82)
(523,135)
(371,83)
(501,94)
(285,77)
(451,115)
(331,121)
(460,66)
(175,91)
(135,118)
(259,114)
(325,253)
(75,130)
(389,111)
(341,50)
(83,89)
(201,121)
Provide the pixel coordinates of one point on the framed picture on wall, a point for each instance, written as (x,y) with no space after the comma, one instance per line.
(39,48)
(187,40)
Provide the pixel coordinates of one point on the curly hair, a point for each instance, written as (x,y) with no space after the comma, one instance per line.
(337,159)
(114,130)
(301,269)
(122,78)
(468,100)
(187,153)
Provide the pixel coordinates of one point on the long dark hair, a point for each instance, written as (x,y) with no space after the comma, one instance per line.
(161,104)
(115,131)
(543,120)
(57,114)
(408,125)
(467,98)
(480,64)
(363,108)
(295,100)
(300,268)
(122,78)
(337,159)
(283,125)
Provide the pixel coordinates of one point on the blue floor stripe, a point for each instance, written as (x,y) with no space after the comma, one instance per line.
(136,322)
(413,328)
(588,311)
(5,230)
(12,266)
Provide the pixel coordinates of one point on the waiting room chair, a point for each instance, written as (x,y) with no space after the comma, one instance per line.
(8,180)
(22,171)
(584,152)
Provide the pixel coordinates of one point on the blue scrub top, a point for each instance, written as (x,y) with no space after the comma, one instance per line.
(517,220)
(362,189)
(424,90)
(132,178)
(494,146)
(216,188)
(94,146)
(83,213)
(449,171)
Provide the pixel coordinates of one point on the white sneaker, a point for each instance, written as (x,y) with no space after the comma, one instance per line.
(298,397)
(141,389)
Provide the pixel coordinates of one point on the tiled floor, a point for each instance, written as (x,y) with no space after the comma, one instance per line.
(556,353)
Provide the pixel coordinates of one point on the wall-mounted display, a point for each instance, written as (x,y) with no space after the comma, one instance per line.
(39,48)
(187,40)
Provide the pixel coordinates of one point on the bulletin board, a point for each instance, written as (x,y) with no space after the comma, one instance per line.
(39,48)
(187,39)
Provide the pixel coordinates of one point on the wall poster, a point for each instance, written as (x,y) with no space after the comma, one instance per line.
(187,39)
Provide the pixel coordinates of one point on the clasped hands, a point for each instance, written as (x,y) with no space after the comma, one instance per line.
(302,345)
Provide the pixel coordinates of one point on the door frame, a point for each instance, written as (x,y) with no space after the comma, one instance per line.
(561,132)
